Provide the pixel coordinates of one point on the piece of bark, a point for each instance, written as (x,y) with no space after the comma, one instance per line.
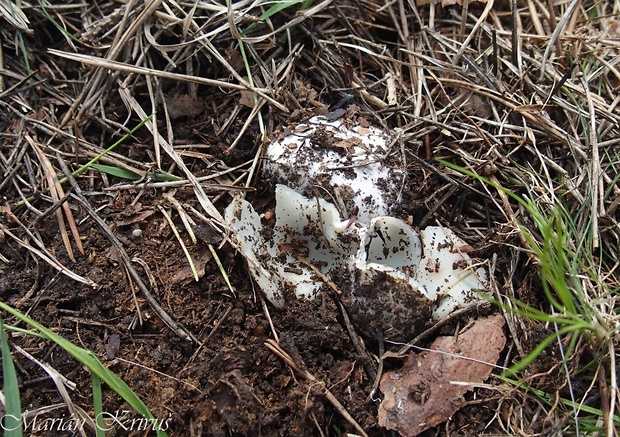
(420,395)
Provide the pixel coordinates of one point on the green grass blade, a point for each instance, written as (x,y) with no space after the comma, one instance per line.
(57,24)
(551,399)
(88,359)
(12,425)
(529,359)
(89,164)
(276,8)
(558,273)
(129,175)
(165,177)
(116,171)
(23,331)
(222,269)
(98,406)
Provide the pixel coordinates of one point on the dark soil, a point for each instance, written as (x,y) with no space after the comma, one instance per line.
(229,383)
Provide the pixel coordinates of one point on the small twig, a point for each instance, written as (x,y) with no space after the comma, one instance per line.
(274,347)
(369,364)
(455,315)
(51,210)
(562,81)
(375,385)
(355,338)
(515,35)
(210,334)
(35,286)
(135,302)
(481,19)
(557,32)
(267,314)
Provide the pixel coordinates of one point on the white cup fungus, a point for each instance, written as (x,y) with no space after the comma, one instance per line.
(390,275)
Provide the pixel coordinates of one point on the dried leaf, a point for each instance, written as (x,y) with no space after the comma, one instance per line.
(183,106)
(421,395)
(184,274)
(344,144)
(136,217)
(247,99)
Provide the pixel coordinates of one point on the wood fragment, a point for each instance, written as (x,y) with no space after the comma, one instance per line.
(274,347)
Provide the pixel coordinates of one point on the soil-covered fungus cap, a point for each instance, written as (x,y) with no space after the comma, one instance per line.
(359,166)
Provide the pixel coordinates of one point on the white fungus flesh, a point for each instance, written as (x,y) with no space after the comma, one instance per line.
(446,271)
(245,222)
(435,265)
(314,224)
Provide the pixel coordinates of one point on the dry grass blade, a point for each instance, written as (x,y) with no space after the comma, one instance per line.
(12,13)
(47,257)
(57,193)
(181,243)
(61,384)
(481,19)
(125,32)
(557,31)
(127,68)
(200,193)
(174,326)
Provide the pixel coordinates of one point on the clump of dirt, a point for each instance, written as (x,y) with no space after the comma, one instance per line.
(388,308)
